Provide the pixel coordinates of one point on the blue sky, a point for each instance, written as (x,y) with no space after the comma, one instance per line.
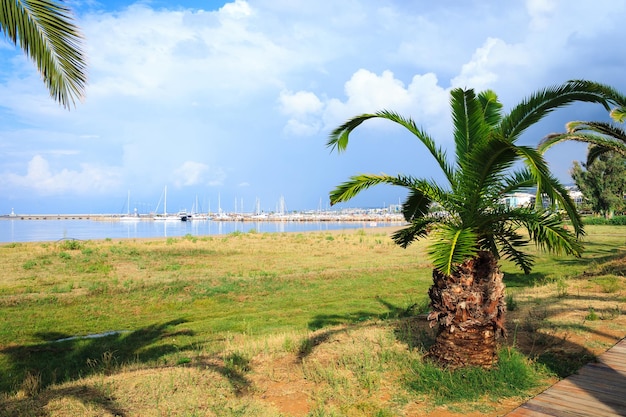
(234,101)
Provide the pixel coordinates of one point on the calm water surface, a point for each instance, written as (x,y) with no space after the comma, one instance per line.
(14,230)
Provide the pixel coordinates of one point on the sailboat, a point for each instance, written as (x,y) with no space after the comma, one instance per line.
(165,216)
(128,216)
(196,215)
(220,214)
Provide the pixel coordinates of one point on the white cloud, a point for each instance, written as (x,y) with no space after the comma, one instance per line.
(303,107)
(299,103)
(540,12)
(190,173)
(238,9)
(43,180)
(481,71)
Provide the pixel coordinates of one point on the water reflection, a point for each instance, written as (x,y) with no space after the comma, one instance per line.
(52,230)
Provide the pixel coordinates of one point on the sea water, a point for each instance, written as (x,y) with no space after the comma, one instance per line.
(16,230)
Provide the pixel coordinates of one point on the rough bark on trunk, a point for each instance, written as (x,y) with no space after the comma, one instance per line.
(468,306)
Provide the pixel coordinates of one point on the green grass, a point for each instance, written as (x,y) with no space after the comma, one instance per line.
(514,376)
(221,303)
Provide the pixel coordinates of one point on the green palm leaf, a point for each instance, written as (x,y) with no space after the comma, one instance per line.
(543,102)
(492,108)
(416,205)
(451,246)
(510,243)
(521,180)
(45,30)
(604,137)
(338,139)
(418,228)
(548,233)
(469,123)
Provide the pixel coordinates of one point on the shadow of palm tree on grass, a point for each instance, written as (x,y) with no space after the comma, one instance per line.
(61,358)
(412,327)
(85,394)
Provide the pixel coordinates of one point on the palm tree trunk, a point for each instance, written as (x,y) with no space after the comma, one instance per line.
(468,306)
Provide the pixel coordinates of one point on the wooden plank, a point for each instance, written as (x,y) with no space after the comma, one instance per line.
(572,405)
(551,409)
(601,377)
(615,397)
(612,361)
(579,402)
(522,411)
(598,389)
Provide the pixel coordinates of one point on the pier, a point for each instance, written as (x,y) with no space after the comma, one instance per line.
(57,217)
(230,217)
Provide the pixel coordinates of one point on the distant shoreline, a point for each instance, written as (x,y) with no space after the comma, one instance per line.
(297,217)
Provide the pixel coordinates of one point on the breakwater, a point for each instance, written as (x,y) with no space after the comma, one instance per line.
(56,217)
(226,217)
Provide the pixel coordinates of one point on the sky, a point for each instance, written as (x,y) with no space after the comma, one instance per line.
(230,104)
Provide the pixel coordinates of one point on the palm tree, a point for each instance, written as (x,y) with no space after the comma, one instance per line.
(45,30)
(476,228)
(601,137)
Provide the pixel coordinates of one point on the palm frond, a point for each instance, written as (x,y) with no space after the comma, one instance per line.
(492,108)
(548,233)
(469,123)
(338,138)
(452,245)
(417,229)
(543,102)
(602,128)
(610,94)
(484,170)
(358,183)
(517,181)
(610,137)
(538,169)
(550,187)
(416,205)
(618,114)
(594,152)
(510,243)
(46,32)
(565,203)
(438,153)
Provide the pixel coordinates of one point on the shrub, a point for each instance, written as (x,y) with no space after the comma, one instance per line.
(71,244)
(618,221)
(592,221)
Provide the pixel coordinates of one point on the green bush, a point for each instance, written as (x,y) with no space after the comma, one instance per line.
(71,244)
(594,220)
(614,221)
(618,221)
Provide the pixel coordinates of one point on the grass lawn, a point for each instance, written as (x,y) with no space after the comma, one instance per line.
(291,324)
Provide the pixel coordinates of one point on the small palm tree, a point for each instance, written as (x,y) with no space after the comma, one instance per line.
(45,30)
(472,228)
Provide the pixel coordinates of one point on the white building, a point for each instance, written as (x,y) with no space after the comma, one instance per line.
(519,199)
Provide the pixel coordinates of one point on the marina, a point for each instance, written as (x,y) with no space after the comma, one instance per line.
(46,228)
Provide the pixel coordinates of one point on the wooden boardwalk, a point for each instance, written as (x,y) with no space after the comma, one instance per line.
(597,390)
